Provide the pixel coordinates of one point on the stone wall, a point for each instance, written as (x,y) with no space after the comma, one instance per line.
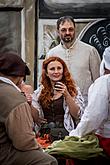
(17,30)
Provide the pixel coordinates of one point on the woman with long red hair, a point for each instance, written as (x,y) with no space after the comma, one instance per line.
(58,99)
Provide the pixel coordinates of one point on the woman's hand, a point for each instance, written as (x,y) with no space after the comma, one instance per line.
(61,88)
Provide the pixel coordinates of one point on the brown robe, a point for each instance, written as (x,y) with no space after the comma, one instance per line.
(18,145)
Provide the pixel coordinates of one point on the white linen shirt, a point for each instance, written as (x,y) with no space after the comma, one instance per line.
(68,121)
(96,117)
(83,62)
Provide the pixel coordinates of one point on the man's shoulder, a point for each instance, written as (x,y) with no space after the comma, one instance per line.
(84,44)
(54,50)
(100,84)
(102,79)
(87,47)
(10,97)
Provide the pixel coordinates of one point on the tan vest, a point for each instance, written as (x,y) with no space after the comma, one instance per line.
(9,99)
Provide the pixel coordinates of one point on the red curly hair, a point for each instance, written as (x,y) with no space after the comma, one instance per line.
(46,95)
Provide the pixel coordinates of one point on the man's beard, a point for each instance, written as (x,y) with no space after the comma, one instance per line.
(67,39)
